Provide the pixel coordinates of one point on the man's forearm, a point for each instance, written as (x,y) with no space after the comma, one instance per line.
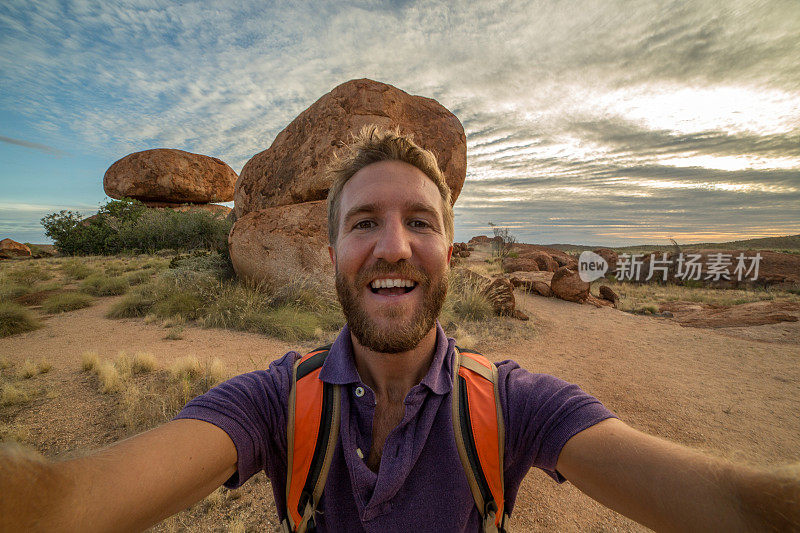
(669,487)
(126,487)
(32,490)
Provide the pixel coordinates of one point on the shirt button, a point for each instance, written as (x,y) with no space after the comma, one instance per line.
(359,392)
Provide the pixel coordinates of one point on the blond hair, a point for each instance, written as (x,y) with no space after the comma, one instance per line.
(372,145)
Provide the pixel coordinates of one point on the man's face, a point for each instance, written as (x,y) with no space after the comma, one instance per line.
(391,256)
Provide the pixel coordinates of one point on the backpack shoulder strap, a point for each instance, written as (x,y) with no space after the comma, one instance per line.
(312,434)
(480,433)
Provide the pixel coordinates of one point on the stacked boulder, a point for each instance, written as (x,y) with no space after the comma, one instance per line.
(168,178)
(280,207)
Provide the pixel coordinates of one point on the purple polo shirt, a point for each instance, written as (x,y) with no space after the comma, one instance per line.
(420,485)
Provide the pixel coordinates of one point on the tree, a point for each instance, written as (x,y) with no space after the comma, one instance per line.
(503,241)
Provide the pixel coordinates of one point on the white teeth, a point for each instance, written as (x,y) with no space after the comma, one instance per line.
(389,283)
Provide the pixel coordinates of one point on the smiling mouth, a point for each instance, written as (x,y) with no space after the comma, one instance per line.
(392,286)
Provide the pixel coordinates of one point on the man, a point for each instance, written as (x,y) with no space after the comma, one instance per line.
(395,466)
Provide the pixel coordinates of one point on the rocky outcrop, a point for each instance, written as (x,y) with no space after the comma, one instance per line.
(700,315)
(12,249)
(610,257)
(533,282)
(499,292)
(168,175)
(278,245)
(520,264)
(460,249)
(568,285)
(291,170)
(543,260)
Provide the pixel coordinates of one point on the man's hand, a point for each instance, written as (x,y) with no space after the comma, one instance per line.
(125,487)
(668,487)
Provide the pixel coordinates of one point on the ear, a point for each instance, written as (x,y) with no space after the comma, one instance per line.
(332,253)
(449,253)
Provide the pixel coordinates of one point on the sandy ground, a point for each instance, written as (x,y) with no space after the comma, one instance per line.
(731,393)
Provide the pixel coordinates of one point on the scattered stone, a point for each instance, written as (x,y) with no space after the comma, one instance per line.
(568,285)
(12,249)
(607,293)
(279,245)
(291,170)
(168,175)
(750,314)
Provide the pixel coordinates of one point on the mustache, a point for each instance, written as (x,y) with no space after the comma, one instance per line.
(402,269)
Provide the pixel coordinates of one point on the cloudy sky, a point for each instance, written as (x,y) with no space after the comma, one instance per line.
(595,122)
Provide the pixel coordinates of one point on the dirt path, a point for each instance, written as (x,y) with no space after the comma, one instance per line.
(731,396)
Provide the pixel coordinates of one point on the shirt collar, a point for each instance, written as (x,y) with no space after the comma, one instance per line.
(340,367)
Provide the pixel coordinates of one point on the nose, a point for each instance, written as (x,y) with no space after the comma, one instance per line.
(393,242)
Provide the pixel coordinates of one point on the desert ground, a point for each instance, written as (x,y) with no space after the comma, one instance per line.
(731,392)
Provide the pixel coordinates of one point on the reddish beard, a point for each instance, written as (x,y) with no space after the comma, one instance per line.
(400,336)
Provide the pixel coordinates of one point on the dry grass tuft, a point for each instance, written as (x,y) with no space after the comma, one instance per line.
(5,362)
(13,394)
(102,285)
(143,362)
(90,361)
(109,376)
(28,369)
(174,334)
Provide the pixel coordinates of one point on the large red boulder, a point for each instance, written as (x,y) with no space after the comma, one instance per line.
(291,170)
(611,258)
(568,285)
(10,248)
(279,245)
(543,260)
(168,175)
(520,264)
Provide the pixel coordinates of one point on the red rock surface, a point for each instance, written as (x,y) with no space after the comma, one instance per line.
(291,170)
(168,175)
(533,282)
(610,256)
(520,264)
(10,248)
(607,293)
(568,285)
(215,209)
(278,245)
(543,260)
(750,314)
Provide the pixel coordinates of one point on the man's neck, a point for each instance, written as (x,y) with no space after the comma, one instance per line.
(392,375)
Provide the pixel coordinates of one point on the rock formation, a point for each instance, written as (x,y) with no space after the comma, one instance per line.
(568,285)
(173,177)
(13,249)
(287,180)
(520,264)
(291,170)
(278,245)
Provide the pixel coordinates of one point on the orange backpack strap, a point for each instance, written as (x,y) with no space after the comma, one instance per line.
(480,433)
(312,434)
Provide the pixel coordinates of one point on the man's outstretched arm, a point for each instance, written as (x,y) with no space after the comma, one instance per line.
(125,487)
(668,487)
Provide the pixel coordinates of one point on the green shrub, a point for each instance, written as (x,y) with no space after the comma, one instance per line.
(16,319)
(185,304)
(66,301)
(128,225)
(102,285)
(139,276)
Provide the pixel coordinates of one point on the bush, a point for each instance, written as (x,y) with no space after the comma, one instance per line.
(16,319)
(132,305)
(66,301)
(28,275)
(101,285)
(128,225)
